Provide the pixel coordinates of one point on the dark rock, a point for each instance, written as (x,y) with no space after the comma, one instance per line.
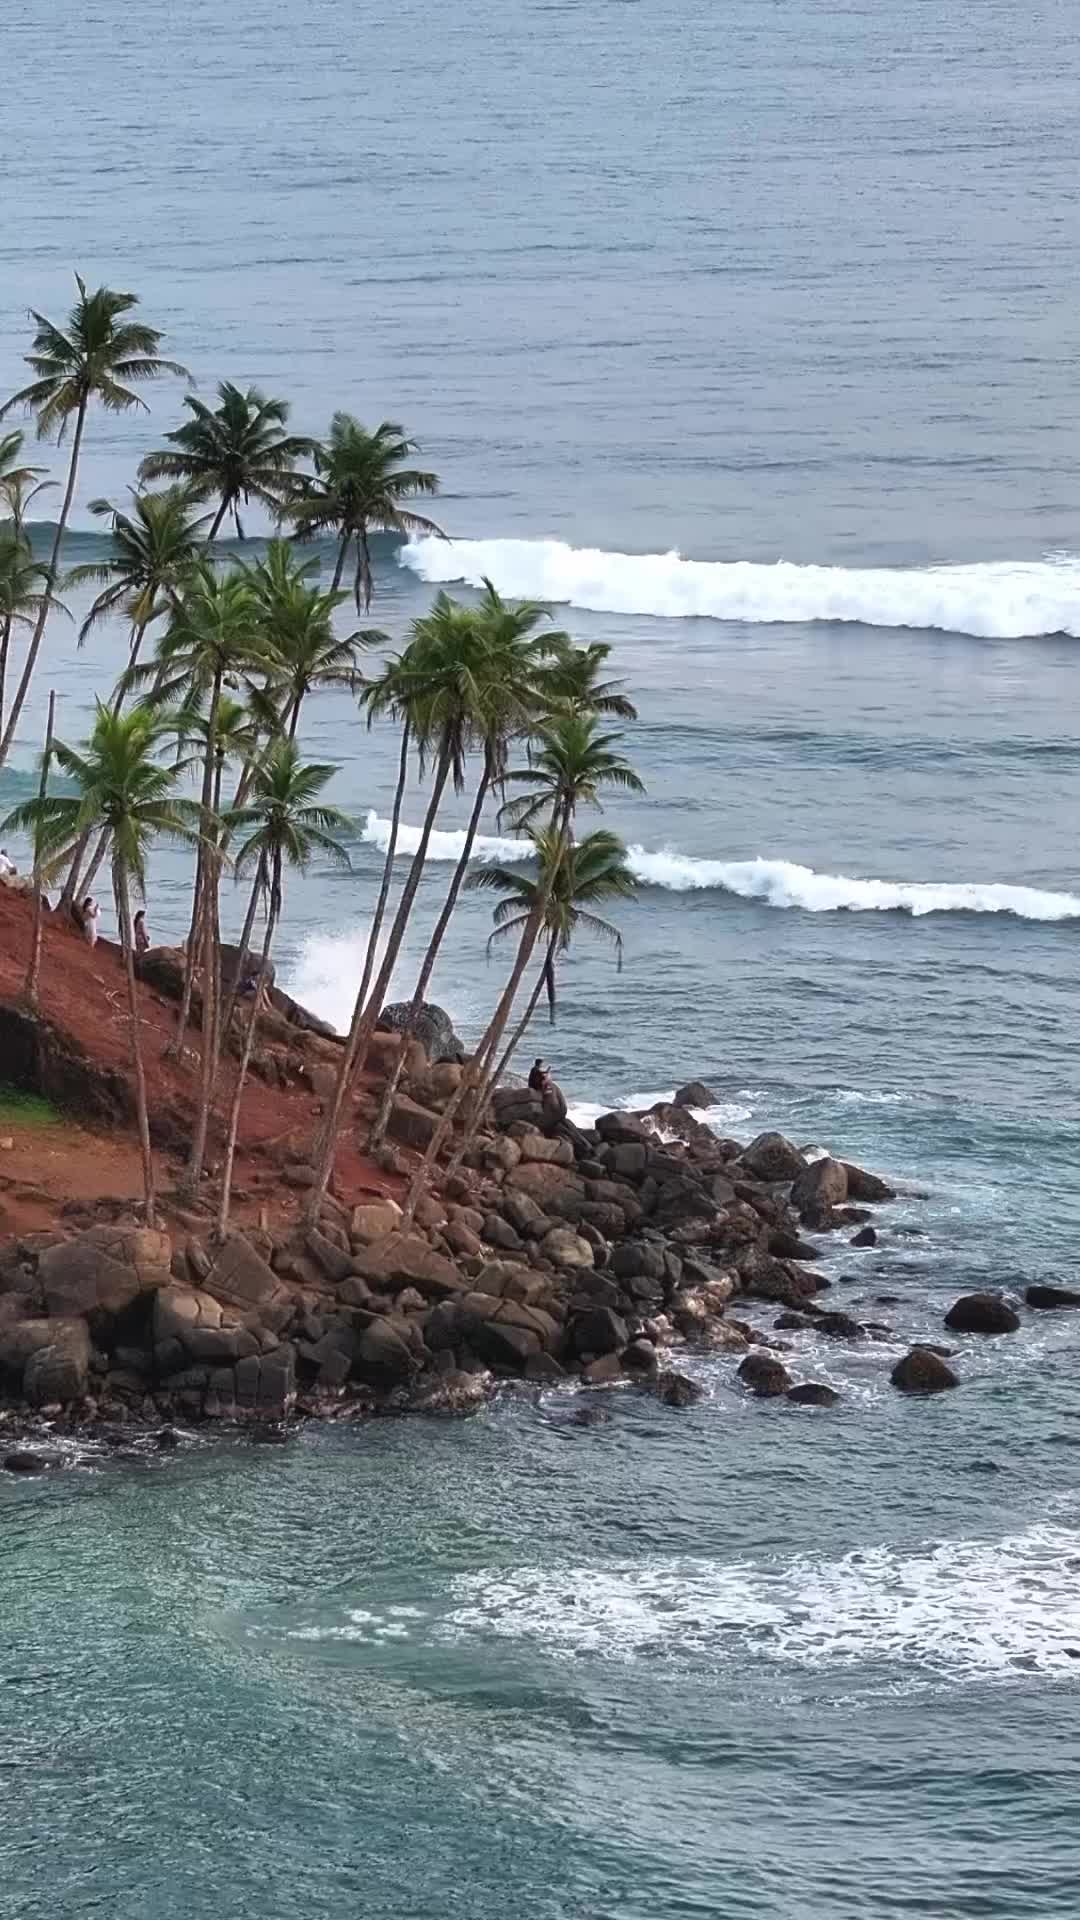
(600,1330)
(628,1160)
(1047,1298)
(623,1129)
(383,1359)
(788,1246)
(838,1326)
(637,1257)
(432,1026)
(982,1313)
(23,1461)
(694,1094)
(866,1237)
(792,1322)
(59,1371)
(335,1264)
(820,1187)
(771,1157)
(764,1374)
(166,1440)
(405,1260)
(866,1186)
(604,1371)
(588,1417)
(411,1123)
(923,1371)
(104,1270)
(498,1233)
(813,1393)
(677,1389)
(639,1358)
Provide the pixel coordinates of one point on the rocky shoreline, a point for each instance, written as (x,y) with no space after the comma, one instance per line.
(555,1256)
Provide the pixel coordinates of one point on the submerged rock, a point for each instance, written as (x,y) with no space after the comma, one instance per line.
(813,1393)
(1047,1299)
(23,1461)
(677,1389)
(764,1375)
(982,1313)
(694,1094)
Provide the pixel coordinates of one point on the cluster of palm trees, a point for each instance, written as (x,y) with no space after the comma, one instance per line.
(222,657)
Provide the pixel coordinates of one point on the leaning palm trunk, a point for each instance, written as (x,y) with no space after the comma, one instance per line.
(5,649)
(382,1117)
(123,915)
(545,978)
(245,941)
(34,648)
(208,865)
(365,1015)
(249,1039)
(176,1044)
(73,881)
(35,940)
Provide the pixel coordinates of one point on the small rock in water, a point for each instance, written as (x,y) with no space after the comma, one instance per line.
(813,1393)
(677,1390)
(166,1439)
(23,1461)
(764,1375)
(588,1417)
(982,1313)
(866,1237)
(1047,1299)
(694,1094)
(923,1371)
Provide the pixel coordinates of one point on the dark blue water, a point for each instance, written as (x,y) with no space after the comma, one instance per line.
(788,292)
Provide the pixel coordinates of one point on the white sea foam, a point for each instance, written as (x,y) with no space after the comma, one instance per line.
(326,973)
(1006,599)
(775,883)
(960,1610)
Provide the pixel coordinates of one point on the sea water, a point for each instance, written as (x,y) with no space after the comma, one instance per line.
(744,336)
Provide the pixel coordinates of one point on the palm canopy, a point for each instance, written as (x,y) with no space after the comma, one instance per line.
(213,638)
(237,451)
(284,819)
(121,785)
(18,482)
(154,547)
(569,883)
(24,582)
(582,687)
(297,617)
(99,356)
(362,483)
(572,763)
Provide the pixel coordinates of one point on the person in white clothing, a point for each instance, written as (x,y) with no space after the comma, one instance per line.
(8,869)
(90,911)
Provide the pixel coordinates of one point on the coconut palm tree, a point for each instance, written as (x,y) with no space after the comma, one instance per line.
(154,547)
(213,640)
(297,618)
(361,485)
(121,785)
(24,592)
(235,452)
(496,682)
(18,481)
(288,827)
(96,359)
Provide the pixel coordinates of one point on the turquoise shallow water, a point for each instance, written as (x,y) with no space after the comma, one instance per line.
(758,285)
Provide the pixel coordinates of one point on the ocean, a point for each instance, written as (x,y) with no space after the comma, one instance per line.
(745,336)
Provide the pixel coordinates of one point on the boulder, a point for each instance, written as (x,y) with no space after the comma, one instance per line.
(629,1160)
(813,1393)
(405,1260)
(463,1241)
(566,1249)
(600,1330)
(764,1374)
(411,1123)
(866,1187)
(538,1148)
(452,1395)
(772,1157)
(329,1258)
(694,1094)
(1047,1299)
(818,1188)
(838,1326)
(639,1359)
(19,1338)
(59,1371)
(866,1237)
(164,969)
(430,1024)
(551,1188)
(372,1219)
(382,1358)
(241,1278)
(505,1280)
(982,1313)
(503,1346)
(619,1129)
(923,1371)
(677,1389)
(788,1246)
(632,1259)
(24,1461)
(498,1232)
(104,1270)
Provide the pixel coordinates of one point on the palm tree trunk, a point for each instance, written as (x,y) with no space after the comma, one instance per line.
(249,1041)
(245,938)
(71,884)
(5,649)
(35,942)
(34,648)
(438,934)
(100,851)
(545,977)
(365,1016)
(175,1046)
(209,960)
(339,569)
(364,582)
(123,915)
(218,518)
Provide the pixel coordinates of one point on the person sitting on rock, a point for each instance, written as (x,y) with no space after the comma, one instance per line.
(142,938)
(538,1076)
(90,912)
(8,869)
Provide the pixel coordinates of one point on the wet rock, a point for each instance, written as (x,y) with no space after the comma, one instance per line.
(600,1330)
(452,1395)
(867,1187)
(788,1246)
(982,1313)
(923,1371)
(23,1461)
(60,1370)
(820,1187)
(639,1359)
(813,1393)
(838,1326)
(383,1359)
(1048,1299)
(866,1237)
(764,1375)
(772,1157)
(588,1417)
(628,1161)
(694,1094)
(677,1389)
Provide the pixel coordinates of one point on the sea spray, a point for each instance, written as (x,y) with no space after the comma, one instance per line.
(1003,599)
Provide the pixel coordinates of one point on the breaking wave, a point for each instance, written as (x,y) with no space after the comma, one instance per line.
(775,883)
(1004,599)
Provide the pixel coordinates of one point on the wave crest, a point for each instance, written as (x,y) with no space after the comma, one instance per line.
(774,883)
(1006,599)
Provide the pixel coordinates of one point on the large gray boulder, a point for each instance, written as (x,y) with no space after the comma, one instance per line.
(432,1026)
(60,1370)
(104,1270)
(772,1157)
(820,1187)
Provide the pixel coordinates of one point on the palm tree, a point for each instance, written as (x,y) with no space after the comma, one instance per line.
(97,358)
(24,592)
(154,547)
(235,452)
(495,681)
(122,786)
(572,765)
(18,483)
(288,826)
(361,485)
(297,618)
(213,638)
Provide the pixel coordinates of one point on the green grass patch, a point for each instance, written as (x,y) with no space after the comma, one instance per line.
(25,1110)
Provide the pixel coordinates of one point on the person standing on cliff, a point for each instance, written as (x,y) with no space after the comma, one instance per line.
(142,938)
(90,911)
